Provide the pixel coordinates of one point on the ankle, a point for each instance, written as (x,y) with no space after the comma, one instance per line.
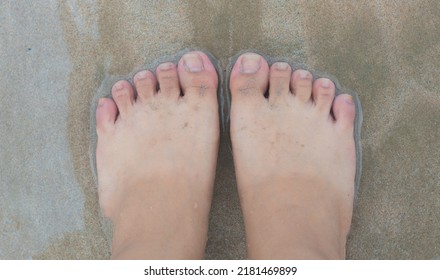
(166,240)
(296,226)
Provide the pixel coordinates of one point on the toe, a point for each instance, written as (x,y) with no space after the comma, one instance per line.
(249,78)
(145,83)
(105,115)
(168,80)
(279,82)
(122,93)
(344,111)
(323,94)
(301,85)
(197,75)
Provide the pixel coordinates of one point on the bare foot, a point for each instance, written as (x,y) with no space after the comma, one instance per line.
(295,163)
(156,158)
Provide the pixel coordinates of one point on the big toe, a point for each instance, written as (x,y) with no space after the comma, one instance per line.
(249,78)
(197,76)
(344,111)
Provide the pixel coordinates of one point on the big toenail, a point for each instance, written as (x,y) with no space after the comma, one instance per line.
(119,85)
(141,75)
(166,66)
(250,63)
(193,62)
(282,66)
(303,74)
(325,83)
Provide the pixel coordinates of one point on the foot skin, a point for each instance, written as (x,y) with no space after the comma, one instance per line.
(295,162)
(156,158)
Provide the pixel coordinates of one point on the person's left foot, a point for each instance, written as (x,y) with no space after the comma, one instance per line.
(156,157)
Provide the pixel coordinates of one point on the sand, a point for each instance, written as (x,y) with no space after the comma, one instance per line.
(54,56)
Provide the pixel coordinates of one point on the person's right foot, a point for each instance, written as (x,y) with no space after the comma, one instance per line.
(295,162)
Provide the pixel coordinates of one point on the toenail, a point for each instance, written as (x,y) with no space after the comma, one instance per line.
(140,75)
(119,85)
(325,83)
(101,102)
(166,66)
(193,62)
(349,100)
(303,74)
(282,66)
(250,63)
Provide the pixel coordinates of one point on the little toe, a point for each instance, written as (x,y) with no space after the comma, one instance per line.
(249,78)
(279,82)
(323,94)
(145,83)
(344,111)
(105,115)
(301,85)
(168,80)
(197,76)
(123,95)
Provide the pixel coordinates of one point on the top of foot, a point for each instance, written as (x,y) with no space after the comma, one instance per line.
(152,181)
(294,155)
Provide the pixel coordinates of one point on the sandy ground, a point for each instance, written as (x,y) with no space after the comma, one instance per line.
(55,54)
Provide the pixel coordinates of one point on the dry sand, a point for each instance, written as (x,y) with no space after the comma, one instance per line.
(54,56)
